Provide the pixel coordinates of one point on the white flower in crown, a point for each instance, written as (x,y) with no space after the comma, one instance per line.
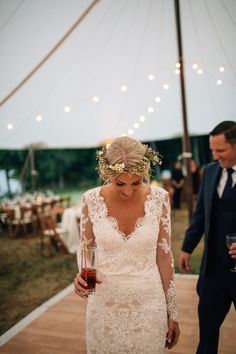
(118,167)
(156,160)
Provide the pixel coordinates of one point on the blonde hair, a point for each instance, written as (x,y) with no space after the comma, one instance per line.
(124,155)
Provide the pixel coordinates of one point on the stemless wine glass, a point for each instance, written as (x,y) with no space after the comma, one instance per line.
(89,267)
(231,238)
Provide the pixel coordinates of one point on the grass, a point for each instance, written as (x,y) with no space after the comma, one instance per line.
(28,279)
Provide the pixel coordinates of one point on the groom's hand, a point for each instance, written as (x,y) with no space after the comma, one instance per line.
(184,262)
(232,250)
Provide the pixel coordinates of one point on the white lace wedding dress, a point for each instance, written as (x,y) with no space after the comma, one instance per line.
(128,313)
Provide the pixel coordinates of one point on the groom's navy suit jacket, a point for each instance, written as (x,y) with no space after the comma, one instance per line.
(202,217)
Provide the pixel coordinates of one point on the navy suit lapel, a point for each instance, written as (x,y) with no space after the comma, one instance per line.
(211,185)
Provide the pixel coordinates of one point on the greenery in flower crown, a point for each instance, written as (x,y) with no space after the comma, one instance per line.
(151,156)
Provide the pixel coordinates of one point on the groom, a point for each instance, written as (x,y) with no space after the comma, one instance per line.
(215,217)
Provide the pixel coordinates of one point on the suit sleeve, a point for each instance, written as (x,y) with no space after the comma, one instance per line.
(196,229)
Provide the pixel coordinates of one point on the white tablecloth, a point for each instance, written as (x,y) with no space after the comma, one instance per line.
(69,222)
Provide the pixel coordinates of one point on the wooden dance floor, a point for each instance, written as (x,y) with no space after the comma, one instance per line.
(61,328)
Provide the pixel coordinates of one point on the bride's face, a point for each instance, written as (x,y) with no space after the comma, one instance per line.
(126,185)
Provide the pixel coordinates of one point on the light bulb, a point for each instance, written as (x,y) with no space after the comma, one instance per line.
(150,109)
(67,109)
(9,126)
(142,118)
(39,118)
(130,131)
(150,77)
(221,68)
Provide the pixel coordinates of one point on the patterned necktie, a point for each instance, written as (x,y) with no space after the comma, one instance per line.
(228,185)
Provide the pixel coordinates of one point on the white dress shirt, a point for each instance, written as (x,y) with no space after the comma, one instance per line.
(223,180)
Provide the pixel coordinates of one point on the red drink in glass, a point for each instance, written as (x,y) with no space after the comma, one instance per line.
(89,267)
(89,275)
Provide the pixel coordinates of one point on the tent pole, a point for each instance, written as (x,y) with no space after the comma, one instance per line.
(185,139)
(22,174)
(33,171)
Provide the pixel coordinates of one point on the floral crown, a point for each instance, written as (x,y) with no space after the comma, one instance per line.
(150,156)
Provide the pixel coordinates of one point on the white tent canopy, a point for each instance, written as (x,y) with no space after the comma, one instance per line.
(101,72)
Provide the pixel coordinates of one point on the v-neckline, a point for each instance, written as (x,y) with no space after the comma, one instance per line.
(114,222)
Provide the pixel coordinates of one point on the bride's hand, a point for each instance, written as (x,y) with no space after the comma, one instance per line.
(80,285)
(172,335)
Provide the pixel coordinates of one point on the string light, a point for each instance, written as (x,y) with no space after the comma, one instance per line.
(39,118)
(154,183)
(67,109)
(151,77)
(165,86)
(106,142)
(221,68)
(9,126)
(150,109)
(142,118)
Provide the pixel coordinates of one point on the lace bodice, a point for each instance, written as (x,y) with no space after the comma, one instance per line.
(136,269)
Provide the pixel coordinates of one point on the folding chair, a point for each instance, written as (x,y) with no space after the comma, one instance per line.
(51,236)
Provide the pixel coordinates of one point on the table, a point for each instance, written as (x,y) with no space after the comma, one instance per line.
(70,223)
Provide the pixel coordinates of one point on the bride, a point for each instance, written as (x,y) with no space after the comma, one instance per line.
(134,307)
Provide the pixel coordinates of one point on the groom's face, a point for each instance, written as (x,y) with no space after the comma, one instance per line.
(222,151)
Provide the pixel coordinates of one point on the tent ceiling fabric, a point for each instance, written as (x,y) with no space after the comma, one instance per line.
(119,43)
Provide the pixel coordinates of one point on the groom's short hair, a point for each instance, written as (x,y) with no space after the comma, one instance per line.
(228,128)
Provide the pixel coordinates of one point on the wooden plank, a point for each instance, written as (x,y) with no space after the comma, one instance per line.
(188,320)
(61,329)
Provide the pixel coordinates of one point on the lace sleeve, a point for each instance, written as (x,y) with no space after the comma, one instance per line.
(165,260)
(86,230)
